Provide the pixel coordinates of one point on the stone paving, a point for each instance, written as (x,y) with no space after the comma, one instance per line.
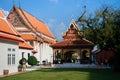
(27,69)
(73,65)
(64,65)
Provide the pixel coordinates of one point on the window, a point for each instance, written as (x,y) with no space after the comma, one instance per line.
(13,50)
(11,56)
(9,59)
(9,49)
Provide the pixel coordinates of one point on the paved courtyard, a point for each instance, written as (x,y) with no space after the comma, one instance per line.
(73,65)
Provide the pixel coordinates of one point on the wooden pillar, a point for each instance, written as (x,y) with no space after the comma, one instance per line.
(90,60)
(54,51)
(62,55)
(80,54)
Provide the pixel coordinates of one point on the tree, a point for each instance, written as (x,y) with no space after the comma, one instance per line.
(99,27)
(103,29)
(32,60)
(22,60)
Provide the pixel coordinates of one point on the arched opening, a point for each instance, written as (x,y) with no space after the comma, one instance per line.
(71,57)
(85,57)
(68,56)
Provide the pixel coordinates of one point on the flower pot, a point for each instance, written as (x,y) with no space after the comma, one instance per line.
(19,69)
(5,72)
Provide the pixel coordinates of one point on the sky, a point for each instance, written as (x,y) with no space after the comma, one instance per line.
(57,14)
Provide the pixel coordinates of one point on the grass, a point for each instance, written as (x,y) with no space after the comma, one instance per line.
(66,74)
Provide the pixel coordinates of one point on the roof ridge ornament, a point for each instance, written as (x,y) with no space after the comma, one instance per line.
(19,4)
(13,2)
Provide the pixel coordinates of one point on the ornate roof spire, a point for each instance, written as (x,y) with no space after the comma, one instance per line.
(19,4)
(13,2)
(73,31)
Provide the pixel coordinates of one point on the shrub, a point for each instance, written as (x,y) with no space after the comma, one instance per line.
(32,60)
(20,66)
(21,61)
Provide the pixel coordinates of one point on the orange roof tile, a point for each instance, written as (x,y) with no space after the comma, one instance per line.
(29,37)
(6,27)
(66,43)
(33,22)
(10,37)
(40,26)
(25,45)
(73,38)
(34,51)
(7,31)
(33,37)
(48,40)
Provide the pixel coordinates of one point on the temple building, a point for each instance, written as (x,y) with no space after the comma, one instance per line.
(73,47)
(34,32)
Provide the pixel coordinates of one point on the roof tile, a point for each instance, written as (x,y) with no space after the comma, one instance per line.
(25,45)
(34,22)
(7,31)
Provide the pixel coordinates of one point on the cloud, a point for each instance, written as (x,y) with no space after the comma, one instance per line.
(5,12)
(60,29)
(55,1)
(56,28)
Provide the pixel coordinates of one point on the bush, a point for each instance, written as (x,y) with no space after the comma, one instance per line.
(32,60)
(20,66)
(21,61)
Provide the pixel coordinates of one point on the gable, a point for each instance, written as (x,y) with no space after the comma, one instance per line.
(31,22)
(17,21)
(7,31)
(73,32)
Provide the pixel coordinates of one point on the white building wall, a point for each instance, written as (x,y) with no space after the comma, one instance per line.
(46,52)
(4,45)
(36,47)
(26,52)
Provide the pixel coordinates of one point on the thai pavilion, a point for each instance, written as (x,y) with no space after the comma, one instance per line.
(73,47)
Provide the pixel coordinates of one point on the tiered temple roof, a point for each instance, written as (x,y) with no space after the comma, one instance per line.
(8,32)
(31,25)
(73,38)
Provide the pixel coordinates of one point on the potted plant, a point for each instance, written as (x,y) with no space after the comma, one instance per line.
(20,68)
(44,62)
(5,71)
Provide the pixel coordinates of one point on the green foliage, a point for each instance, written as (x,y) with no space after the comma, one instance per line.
(74,57)
(22,60)
(32,60)
(20,66)
(103,29)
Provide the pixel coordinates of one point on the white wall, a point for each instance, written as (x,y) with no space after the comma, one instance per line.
(4,45)
(36,47)
(46,52)
(26,52)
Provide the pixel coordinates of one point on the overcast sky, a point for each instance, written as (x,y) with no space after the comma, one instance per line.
(57,14)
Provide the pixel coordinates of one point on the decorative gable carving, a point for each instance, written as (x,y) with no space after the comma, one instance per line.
(17,21)
(73,32)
